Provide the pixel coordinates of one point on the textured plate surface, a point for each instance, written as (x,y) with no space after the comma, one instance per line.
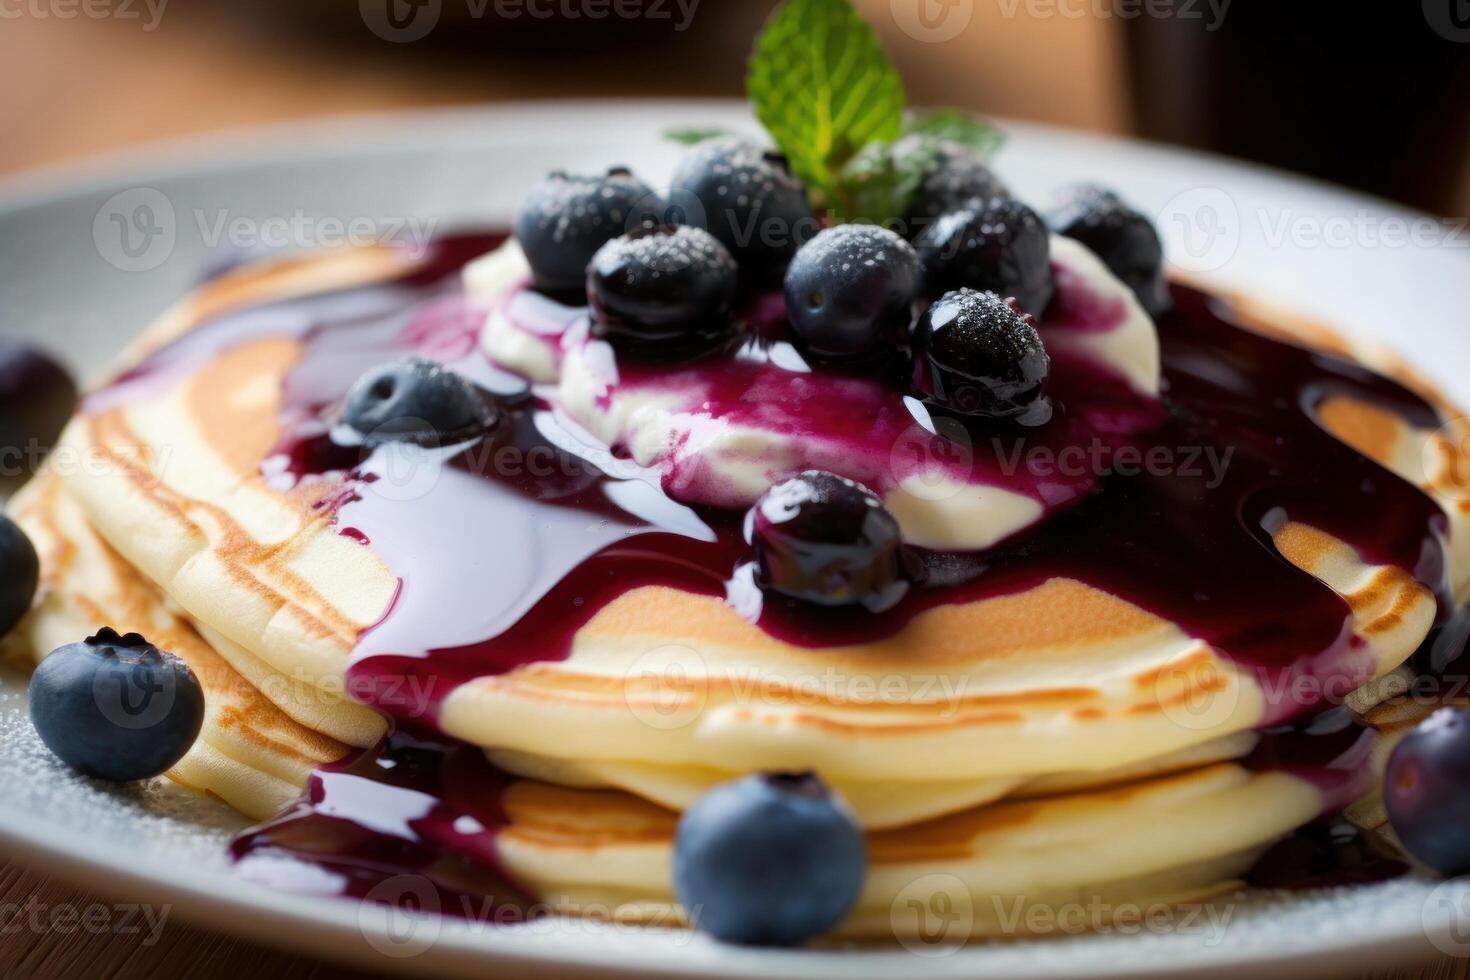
(90,254)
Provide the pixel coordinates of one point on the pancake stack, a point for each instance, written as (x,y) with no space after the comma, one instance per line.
(1053,746)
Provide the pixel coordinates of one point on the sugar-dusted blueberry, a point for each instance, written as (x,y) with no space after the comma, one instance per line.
(823,539)
(1426,790)
(566,218)
(116,707)
(979,355)
(1122,237)
(771,859)
(20,573)
(668,283)
(37,396)
(751,202)
(955,176)
(416,400)
(997,245)
(850,291)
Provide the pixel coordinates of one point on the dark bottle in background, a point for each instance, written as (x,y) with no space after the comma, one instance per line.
(1373,95)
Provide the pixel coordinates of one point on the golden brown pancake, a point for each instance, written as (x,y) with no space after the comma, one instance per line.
(1048,747)
(250,753)
(664,691)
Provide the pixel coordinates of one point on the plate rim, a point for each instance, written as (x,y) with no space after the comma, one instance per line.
(461,950)
(275,918)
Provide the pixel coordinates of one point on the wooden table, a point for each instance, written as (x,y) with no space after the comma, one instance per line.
(84,86)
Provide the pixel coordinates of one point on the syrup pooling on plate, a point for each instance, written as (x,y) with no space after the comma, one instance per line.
(410,806)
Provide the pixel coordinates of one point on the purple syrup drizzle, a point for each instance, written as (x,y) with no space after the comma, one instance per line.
(1239,452)
(422,808)
(857,422)
(1327,853)
(501,562)
(1330,750)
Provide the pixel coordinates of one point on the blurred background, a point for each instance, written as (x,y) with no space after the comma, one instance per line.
(1379,101)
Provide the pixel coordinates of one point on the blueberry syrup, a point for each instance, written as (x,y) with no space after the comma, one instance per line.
(1330,750)
(1188,536)
(418,807)
(519,539)
(855,421)
(1327,853)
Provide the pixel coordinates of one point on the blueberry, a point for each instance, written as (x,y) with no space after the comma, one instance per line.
(826,540)
(116,707)
(750,200)
(20,574)
(416,400)
(663,284)
(956,176)
(565,219)
(851,291)
(770,859)
(1123,238)
(1426,790)
(999,245)
(979,355)
(37,397)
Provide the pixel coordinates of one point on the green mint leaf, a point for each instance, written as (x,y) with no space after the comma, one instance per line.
(877,185)
(693,134)
(823,88)
(958,127)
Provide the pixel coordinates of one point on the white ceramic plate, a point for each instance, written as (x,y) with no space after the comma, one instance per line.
(91,253)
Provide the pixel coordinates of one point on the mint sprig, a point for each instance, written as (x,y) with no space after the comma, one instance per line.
(877,185)
(823,88)
(955,126)
(692,134)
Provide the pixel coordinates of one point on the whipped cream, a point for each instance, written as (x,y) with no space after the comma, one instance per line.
(724,440)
